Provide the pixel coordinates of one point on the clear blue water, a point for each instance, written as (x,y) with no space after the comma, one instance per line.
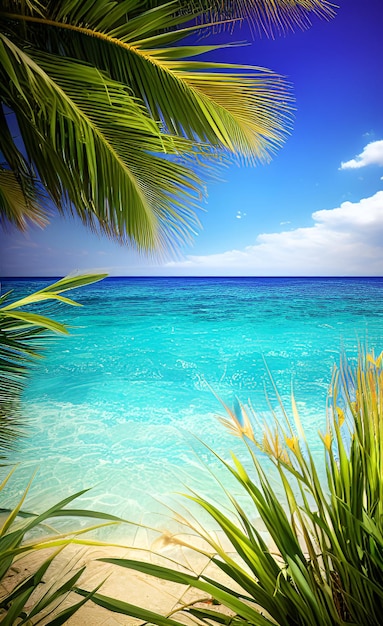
(116,405)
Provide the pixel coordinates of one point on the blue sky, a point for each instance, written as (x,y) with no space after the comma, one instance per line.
(315,209)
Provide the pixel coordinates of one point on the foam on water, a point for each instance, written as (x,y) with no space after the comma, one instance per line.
(112,406)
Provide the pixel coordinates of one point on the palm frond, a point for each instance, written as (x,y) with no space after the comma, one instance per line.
(18,202)
(93,132)
(23,336)
(241,110)
(119,123)
(245,113)
(267,17)
(22,200)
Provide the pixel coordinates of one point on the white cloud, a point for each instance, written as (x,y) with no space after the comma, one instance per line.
(240,215)
(372,155)
(347,240)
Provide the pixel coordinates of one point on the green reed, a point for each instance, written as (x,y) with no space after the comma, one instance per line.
(37,596)
(326,564)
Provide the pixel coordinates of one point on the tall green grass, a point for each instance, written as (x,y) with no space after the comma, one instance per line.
(38,596)
(326,565)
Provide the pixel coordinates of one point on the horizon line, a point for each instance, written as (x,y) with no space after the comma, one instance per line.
(151,276)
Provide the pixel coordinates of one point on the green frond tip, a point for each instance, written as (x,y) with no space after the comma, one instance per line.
(20,204)
(268,17)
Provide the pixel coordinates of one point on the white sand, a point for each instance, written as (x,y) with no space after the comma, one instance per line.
(127,585)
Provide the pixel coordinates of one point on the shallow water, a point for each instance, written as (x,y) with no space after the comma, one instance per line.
(115,405)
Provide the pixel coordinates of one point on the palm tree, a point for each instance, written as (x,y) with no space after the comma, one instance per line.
(104,113)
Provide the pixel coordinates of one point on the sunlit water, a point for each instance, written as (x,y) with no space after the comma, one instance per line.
(117,405)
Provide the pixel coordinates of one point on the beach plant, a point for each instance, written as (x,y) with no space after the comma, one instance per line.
(108,113)
(29,593)
(321,561)
(23,336)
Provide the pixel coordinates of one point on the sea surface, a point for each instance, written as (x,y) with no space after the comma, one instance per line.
(123,404)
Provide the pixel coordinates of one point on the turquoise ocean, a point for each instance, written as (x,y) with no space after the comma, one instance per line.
(122,403)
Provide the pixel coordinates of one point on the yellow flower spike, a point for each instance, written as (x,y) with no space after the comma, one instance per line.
(327,440)
(246,427)
(266,445)
(232,428)
(284,457)
(293,444)
(243,428)
(379,360)
(271,444)
(168,540)
(341,417)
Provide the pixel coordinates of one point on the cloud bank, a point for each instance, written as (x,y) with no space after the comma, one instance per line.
(347,240)
(343,241)
(372,154)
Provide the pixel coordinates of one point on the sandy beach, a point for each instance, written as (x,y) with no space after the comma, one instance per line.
(129,586)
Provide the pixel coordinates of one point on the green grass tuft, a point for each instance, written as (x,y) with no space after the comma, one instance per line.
(326,565)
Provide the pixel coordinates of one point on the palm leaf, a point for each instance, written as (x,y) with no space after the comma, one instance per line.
(121,134)
(21,198)
(103,134)
(268,17)
(23,336)
(231,110)
(19,203)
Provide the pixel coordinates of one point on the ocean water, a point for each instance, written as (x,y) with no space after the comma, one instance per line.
(121,405)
